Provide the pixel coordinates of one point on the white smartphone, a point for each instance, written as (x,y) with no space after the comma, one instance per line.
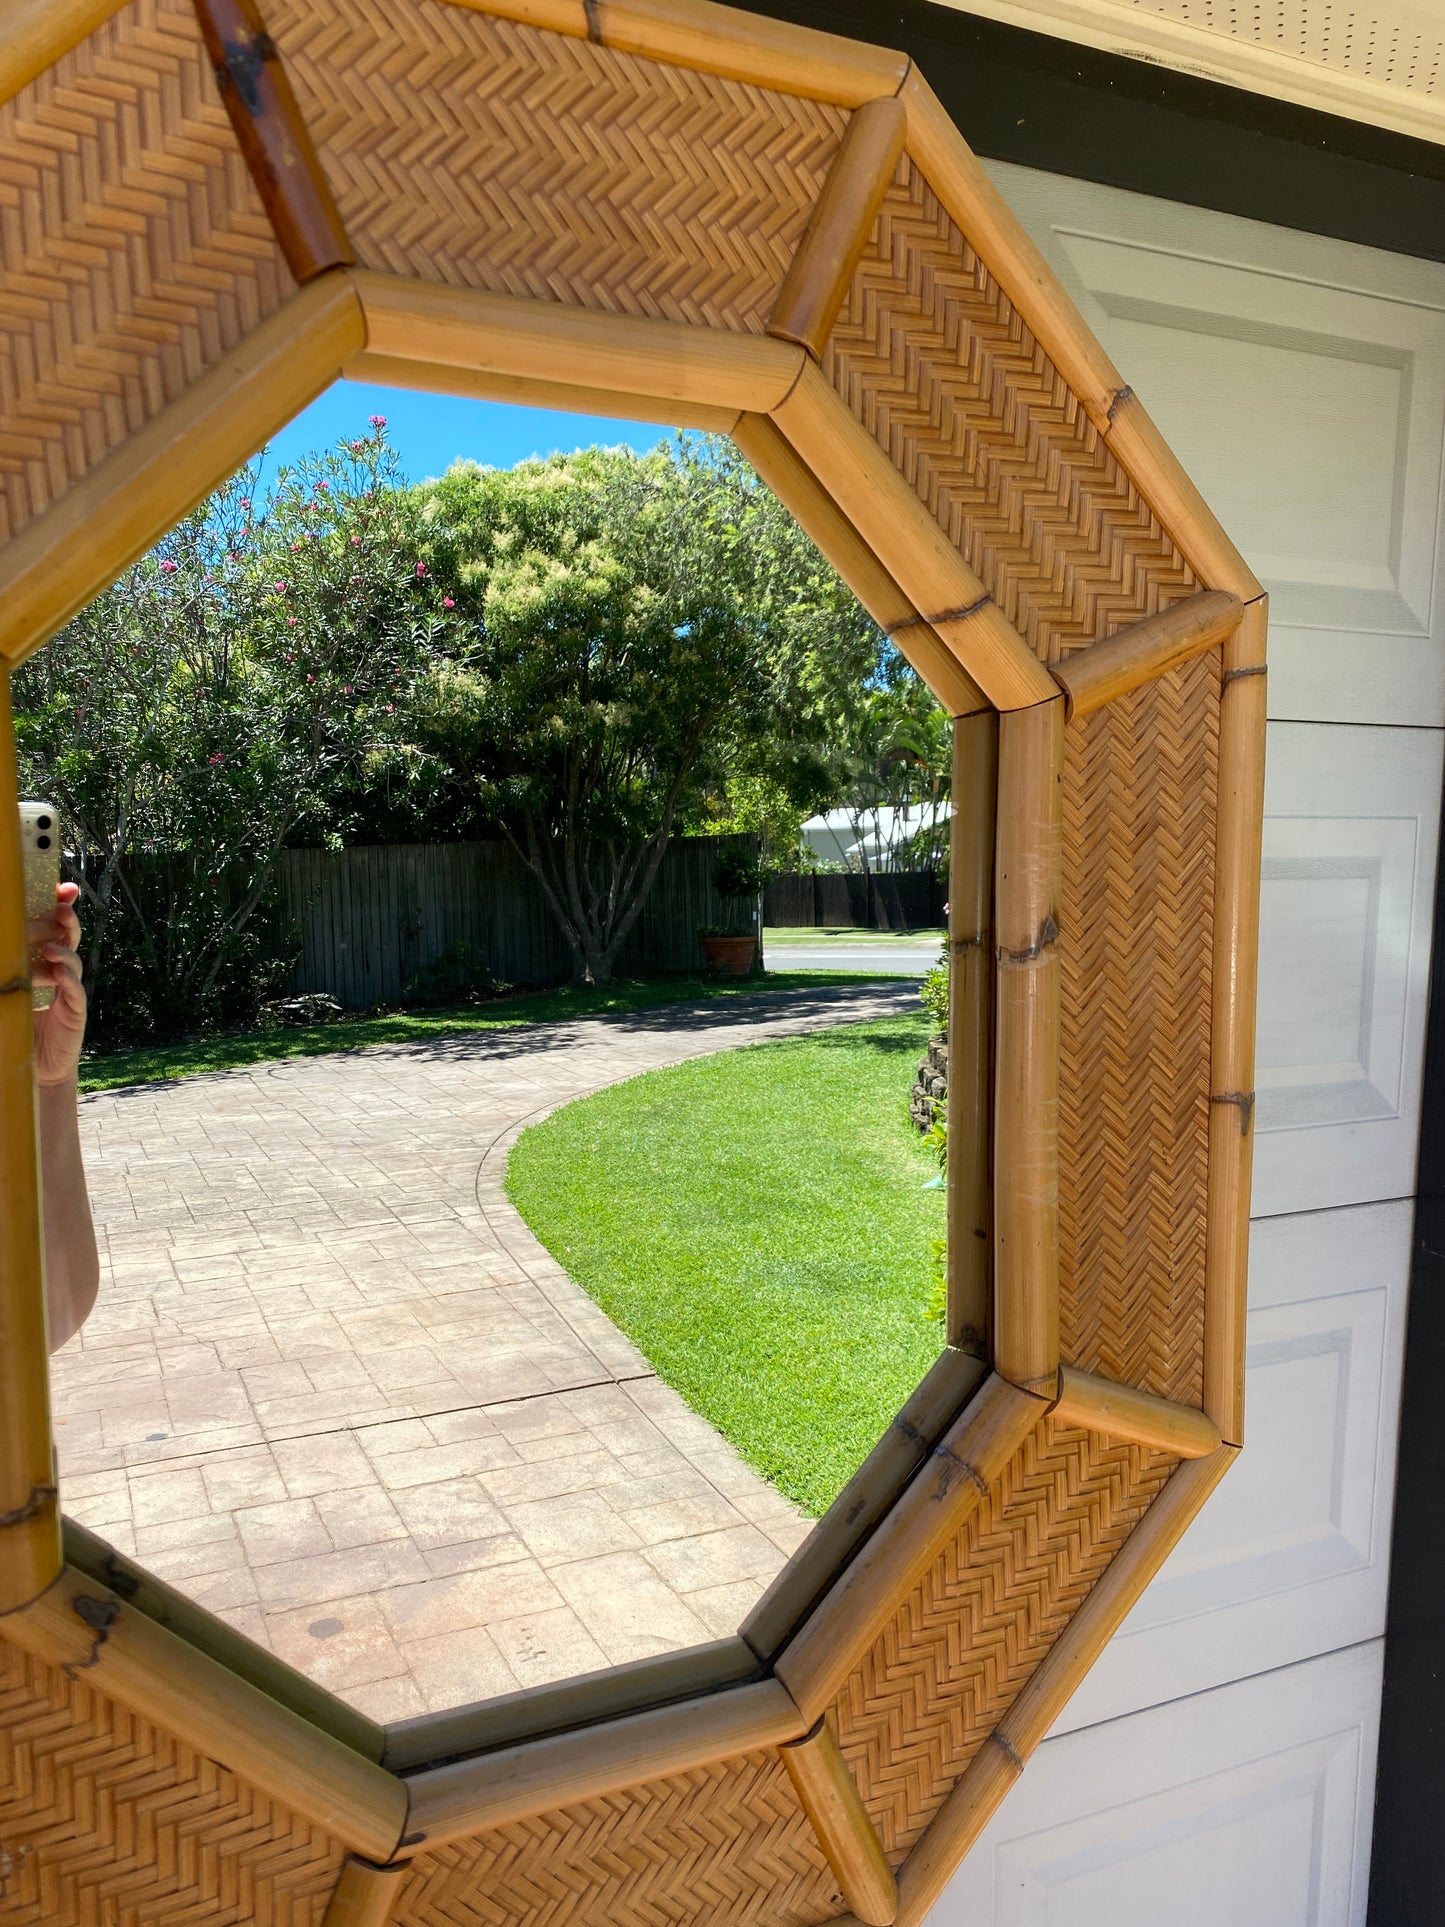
(40,851)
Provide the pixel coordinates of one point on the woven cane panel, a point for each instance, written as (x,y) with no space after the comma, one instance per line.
(937,362)
(725,1846)
(134,251)
(105,1821)
(473,150)
(950,1663)
(934,358)
(1137,926)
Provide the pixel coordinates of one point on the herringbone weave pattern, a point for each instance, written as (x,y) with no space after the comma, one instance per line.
(937,362)
(472,150)
(1140,784)
(134,251)
(948,1666)
(105,1821)
(724,1846)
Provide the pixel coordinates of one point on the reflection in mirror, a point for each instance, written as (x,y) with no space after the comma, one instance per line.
(476,1311)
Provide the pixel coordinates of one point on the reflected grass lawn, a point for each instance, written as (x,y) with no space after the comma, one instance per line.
(238,1049)
(757,1223)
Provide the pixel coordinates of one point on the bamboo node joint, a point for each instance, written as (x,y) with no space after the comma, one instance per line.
(953,1464)
(594,21)
(100,1615)
(242,68)
(1248,669)
(40,1497)
(1045,940)
(1243,1102)
(1008,1750)
(1124,394)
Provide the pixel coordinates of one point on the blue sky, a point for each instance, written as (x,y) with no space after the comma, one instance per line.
(431,431)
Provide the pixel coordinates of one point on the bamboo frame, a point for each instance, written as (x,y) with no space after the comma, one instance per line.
(828,1794)
(518,1782)
(1147,650)
(970,1032)
(390,371)
(87,1553)
(507,334)
(81,1626)
(29,1506)
(1026,1045)
(37,33)
(65,557)
(1243,707)
(365,1894)
(512,1760)
(975,1798)
(1122,1412)
(711,39)
(819,515)
(957,1474)
(821,1559)
(274,138)
(639,1686)
(839,227)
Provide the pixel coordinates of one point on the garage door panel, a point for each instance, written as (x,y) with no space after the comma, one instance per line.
(1248,1805)
(1351,822)
(1303,387)
(1290,1556)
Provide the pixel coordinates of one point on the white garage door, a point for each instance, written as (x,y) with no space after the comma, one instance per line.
(1218,1765)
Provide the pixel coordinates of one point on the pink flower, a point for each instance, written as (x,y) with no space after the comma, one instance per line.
(378,421)
(168,567)
(356,541)
(447,602)
(217,758)
(390,709)
(310,679)
(280,588)
(421,568)
(294,547)
(323,486)
(356,447)
(291,621)
(347,690)
(246,503)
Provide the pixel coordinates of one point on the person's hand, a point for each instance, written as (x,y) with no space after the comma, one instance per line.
(60,1030)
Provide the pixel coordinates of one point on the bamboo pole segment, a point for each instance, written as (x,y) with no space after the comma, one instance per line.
(991,1773)
(84,1627)
(759,52)
(960,1471)
(970,1029)
(828,1794)
(274,139)
(389,371)
(901,532)
(991,226)
(946,1388)
(30,1554)
(1156,472)
(89,1554)
(519,1782)
(1026,1049)
(1242,710)
(636,1687)
(65,557)
(1121,1412)
(37,33)
(365,1894)
(813,507)
(816,284)
(508,334)
(1146,650)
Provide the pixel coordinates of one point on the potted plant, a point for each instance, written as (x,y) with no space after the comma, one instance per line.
(731,948)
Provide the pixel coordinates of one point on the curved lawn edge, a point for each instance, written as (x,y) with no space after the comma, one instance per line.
(756,1222)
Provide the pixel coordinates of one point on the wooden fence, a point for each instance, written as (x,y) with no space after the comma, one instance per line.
(842,900)
(374,921)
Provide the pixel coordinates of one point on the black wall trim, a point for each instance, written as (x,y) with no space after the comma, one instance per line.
(1042,102)
(1407,1867)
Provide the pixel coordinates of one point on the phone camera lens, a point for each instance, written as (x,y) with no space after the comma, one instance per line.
(42,842)
(42,822)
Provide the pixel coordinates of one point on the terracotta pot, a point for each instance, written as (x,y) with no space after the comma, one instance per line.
(729,956)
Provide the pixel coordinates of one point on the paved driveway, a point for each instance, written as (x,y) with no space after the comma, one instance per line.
(335,1390)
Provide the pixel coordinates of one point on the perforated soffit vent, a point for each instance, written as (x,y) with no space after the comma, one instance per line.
(1381,63)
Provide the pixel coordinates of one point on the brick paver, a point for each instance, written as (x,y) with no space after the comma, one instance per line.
(335,1390)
